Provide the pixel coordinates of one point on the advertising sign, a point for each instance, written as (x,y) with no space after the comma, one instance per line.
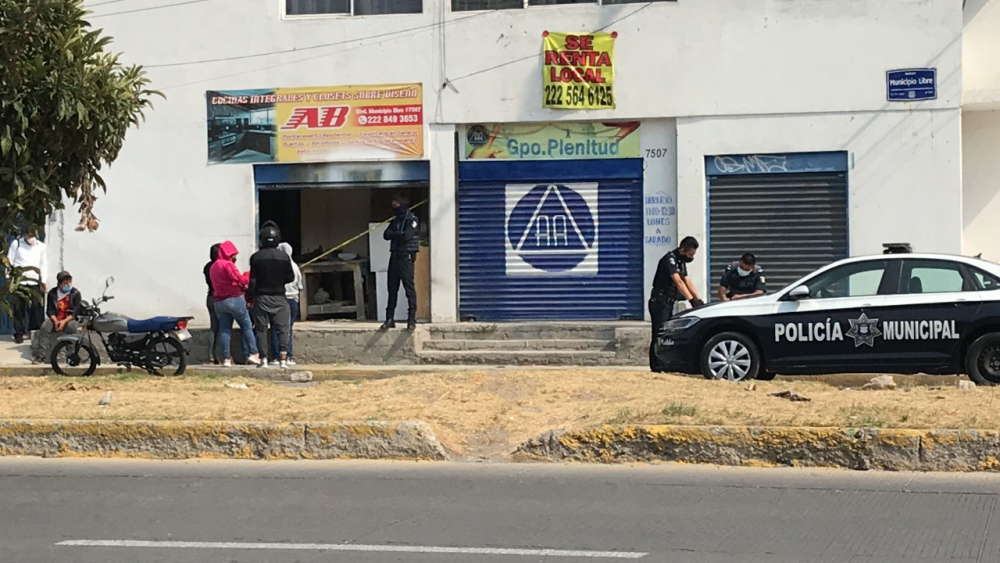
(552,141)
(321,124)
(911,85)
(578,71)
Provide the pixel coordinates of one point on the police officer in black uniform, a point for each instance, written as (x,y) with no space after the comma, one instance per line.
(742,279)
(404,243)
(670,285)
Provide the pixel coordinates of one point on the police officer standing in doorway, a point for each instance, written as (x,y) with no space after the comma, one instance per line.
(742,279)
(404,243)
(671,284)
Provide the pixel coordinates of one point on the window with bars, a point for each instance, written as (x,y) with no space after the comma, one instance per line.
(473,5)
(352,7)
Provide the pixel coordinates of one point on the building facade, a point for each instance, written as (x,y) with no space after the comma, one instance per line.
(787,128)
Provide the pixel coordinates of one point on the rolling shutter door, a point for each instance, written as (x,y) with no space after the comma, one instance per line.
(550,240)
(792,223)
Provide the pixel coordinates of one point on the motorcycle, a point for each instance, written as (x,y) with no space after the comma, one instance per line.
(154,344)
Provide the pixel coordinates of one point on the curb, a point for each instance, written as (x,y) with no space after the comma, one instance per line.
(251,372)
(405,440)
(860,449)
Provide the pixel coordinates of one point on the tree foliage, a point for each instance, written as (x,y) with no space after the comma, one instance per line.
(66,103)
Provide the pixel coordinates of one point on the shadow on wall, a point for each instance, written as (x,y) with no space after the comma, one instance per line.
(972,8)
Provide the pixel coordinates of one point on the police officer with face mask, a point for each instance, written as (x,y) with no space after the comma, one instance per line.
(670,285)
(742,279)
(403,235)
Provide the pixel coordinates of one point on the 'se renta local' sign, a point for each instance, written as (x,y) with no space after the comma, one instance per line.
(579,71)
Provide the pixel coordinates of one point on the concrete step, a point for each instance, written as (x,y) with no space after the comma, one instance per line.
(522,331)
(582,345)
(519,358)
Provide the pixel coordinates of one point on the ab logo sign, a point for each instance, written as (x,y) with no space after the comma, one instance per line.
(551,229)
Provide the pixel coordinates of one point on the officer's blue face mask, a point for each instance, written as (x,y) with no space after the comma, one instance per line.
(66,288)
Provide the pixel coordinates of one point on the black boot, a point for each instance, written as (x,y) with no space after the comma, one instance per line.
(388,324)
(411,325)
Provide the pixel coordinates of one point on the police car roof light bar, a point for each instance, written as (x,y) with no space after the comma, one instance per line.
(897,248)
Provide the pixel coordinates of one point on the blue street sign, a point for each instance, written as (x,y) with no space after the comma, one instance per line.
(911,85)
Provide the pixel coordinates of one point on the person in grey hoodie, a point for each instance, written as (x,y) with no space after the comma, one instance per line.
(292,290)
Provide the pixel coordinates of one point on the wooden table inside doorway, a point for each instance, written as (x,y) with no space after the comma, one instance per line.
(337,303)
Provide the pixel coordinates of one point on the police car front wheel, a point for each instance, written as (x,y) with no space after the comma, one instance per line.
(983,360)
(731,356)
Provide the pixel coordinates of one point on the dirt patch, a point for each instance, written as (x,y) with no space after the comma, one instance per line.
(487,413)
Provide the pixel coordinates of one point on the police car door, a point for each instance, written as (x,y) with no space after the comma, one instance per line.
(831,328)
(922,324)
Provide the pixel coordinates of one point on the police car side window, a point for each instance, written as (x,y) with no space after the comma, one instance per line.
(853,280)
(985,281)
(933,276)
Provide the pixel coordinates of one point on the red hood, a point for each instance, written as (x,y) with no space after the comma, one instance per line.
(227,250)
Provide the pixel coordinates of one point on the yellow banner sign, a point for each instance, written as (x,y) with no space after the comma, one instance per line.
(579,71)
(336,123)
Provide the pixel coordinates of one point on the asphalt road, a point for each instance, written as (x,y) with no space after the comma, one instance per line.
(54,511)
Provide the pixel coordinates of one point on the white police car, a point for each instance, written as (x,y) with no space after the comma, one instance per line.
(892,313)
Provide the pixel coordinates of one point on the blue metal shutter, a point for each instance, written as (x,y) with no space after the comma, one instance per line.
(550,240)
(793,223)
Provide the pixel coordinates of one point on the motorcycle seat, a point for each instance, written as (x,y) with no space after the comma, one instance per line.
(152,325)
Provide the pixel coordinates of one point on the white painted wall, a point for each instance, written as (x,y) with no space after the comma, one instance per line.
(980,45)
(659,186)
(687,60)
(904,177)
(981,183)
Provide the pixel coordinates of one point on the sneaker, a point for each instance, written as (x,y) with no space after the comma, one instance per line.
(283,364)
(388,324)
(37,360)
(262,364)
(18,339)
(289,362)
(411,326)
(254,360)
(227,364)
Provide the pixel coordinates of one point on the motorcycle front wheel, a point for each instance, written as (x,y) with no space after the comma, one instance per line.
(68,360)
(168,356)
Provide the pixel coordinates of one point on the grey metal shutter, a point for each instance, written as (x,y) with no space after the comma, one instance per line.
(792,223)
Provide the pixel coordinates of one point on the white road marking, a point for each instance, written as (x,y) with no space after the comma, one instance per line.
(357,547)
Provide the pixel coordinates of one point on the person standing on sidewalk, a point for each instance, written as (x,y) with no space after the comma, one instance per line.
(213,317)
(670,285)
(292,291)
(28,252)
(270,271)
(404,244)
(229,287)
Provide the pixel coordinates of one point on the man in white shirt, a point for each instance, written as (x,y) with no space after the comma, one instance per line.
(28,252)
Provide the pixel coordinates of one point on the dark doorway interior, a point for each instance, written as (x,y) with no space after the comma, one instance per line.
(284,207)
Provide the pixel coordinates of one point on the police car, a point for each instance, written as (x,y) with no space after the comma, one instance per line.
(897,312)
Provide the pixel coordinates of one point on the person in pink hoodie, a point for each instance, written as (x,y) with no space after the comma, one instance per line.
(229,288)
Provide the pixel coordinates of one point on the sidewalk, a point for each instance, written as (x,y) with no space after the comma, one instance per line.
(13,355)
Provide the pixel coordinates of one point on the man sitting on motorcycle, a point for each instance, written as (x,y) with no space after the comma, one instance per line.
(61,307)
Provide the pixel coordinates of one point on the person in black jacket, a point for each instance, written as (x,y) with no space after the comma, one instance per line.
(404,244)
(270,270)
(213,317)
(62,305)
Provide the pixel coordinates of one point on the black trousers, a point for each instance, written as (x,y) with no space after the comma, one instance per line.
(660,311)
(27,312)
(268,311)
(401,271)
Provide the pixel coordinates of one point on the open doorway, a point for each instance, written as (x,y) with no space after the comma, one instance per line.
(349,283)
